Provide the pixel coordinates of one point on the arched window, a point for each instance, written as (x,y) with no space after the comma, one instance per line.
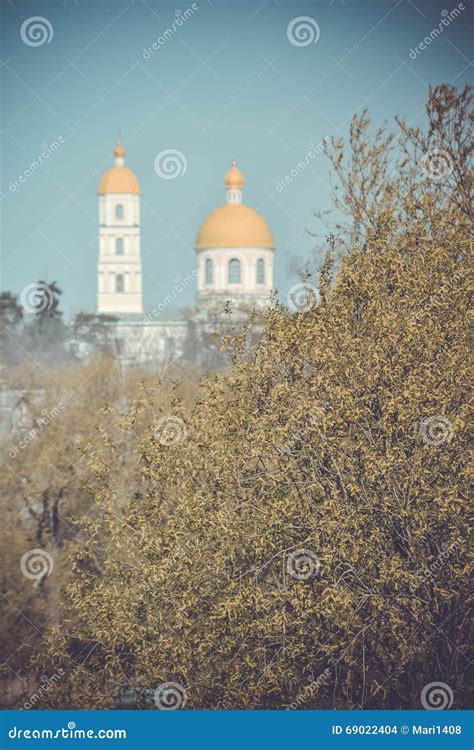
(208,272)
(119,283)
(119,211)
(119,246)
(260,271)
(234,271)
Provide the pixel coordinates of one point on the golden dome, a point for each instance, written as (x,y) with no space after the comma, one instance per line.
(119,179)
(234,225)
(234,178)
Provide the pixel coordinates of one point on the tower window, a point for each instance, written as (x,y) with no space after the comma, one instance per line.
(260,271)
(119,246)
(208,274)
(119,211)
(234,271)
(119,283)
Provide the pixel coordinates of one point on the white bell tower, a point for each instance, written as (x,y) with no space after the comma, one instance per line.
(119,272)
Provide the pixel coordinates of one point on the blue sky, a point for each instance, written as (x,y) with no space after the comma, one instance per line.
(228,84)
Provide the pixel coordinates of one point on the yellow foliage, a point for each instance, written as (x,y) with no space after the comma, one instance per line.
(338,446)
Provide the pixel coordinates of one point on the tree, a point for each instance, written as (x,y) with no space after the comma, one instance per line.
(299,538)
(93,331)
(45,497)
(11,313)
(46,333)
(11,319)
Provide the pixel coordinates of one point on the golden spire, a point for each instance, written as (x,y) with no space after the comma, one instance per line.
(234,177)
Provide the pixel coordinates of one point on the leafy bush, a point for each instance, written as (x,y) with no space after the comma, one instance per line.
(300,539)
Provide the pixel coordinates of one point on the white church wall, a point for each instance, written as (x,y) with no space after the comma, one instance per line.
(248,287)
(143,343)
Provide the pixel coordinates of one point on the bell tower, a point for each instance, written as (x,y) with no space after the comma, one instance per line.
(119,271)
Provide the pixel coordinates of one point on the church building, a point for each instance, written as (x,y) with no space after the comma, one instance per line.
(234,253)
